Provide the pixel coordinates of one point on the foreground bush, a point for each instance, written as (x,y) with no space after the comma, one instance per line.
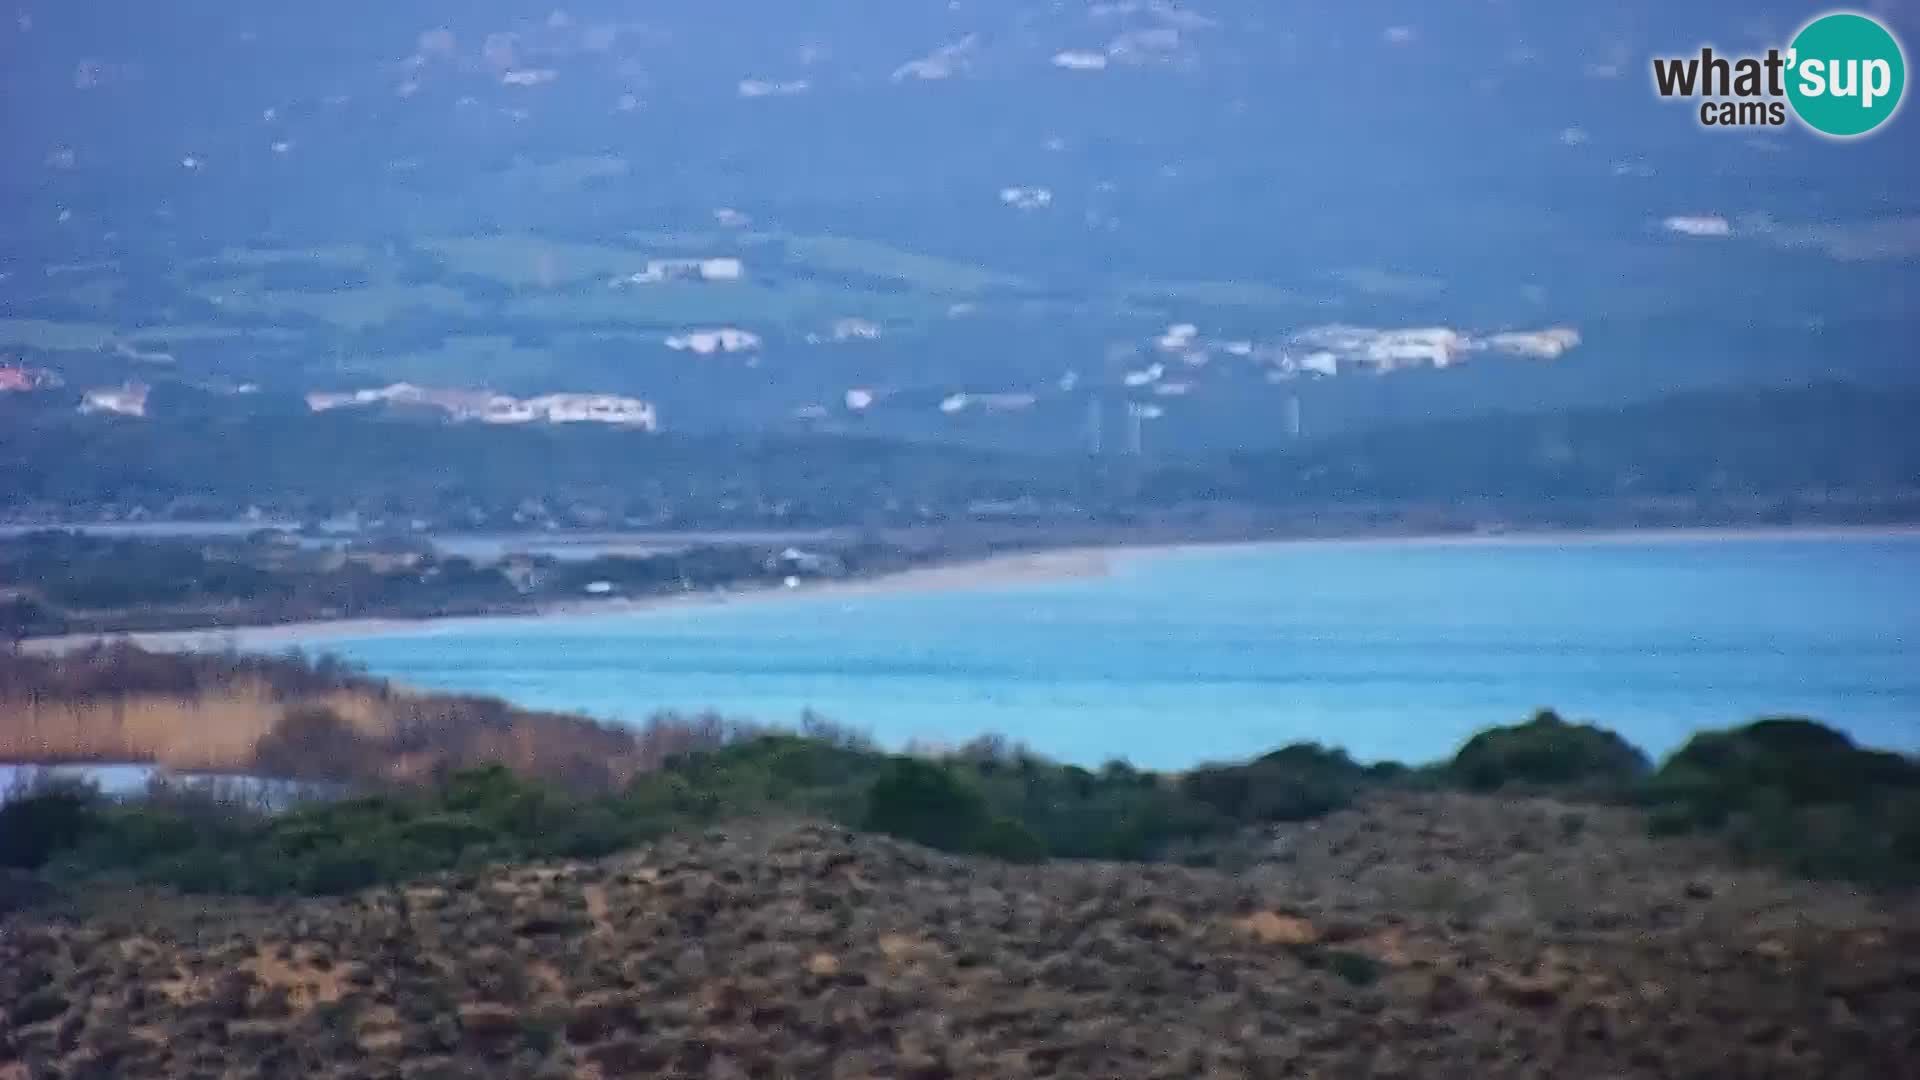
(44,817)
(1549,752)
(198,843)
(1291,784)
(931,804)
(1797,792)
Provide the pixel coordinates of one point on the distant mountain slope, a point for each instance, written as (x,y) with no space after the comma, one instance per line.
(1787,449)
(1826,440)
(1005,189)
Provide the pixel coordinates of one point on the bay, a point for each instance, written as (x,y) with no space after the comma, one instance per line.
(1392,650)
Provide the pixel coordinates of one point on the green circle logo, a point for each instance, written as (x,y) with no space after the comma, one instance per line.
(1845,74)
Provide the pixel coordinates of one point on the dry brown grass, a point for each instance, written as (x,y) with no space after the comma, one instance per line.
(286,717)
(215,732)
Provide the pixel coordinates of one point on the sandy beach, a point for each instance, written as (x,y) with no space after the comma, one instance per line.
(1062,564)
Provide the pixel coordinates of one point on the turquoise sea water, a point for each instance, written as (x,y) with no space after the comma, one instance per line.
(1391,650)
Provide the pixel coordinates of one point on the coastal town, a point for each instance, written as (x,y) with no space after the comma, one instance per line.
(1178,363)
(490,408)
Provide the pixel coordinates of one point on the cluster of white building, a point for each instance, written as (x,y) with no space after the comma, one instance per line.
(659,270)
(1331,349)
(1328,350)
(490,408)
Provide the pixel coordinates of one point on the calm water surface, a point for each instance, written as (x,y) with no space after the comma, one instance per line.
(1392,650)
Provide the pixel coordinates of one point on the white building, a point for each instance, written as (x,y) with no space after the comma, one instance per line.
(1008,401)
(1178,337)
(529,77)
(510,412)
(707,342)
(855,330)
(1013,401)
(1319,363)
(1024,198)
(1080,60)
(595,409)
(128,400)
(1436,346)
(1548,344)
(1698,225)
(759,88)
(658,270)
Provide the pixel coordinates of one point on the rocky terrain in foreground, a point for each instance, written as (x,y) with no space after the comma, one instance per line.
(1415,935)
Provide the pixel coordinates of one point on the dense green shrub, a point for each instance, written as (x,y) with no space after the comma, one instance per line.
(1005,838)
(1795,792)
(774,773)
(1357,968)
(1549,752)
(929,804)
(1806,762)
(474,816)
(39,823)
(1293,783)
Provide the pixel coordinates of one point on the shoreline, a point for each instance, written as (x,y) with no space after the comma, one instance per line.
(1059,564)
(1072,563)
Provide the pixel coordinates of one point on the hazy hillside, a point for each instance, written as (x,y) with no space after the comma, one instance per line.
(1828,452)
(995,206)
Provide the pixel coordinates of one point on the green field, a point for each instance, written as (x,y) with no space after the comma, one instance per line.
(524,261)
(793,286)
(935,275)
(1224,294)
(45,334)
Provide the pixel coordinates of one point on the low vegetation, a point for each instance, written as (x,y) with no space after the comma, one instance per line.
(437,783)
(793,949)
(1548,752)
(1796,792)
(1290,784)
(56,582)
(296,718)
